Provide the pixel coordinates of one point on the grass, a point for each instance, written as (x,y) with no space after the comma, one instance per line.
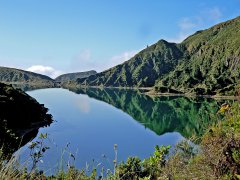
(217,156)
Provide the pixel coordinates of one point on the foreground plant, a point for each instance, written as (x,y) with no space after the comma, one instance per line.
(217,156)
(134,168)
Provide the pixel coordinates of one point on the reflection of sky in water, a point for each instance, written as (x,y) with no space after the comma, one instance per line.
(92,128)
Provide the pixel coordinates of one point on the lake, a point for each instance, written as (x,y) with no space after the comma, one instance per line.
(88,122)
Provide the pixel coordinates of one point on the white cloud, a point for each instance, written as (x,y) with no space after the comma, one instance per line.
(82,61)
(214,14)
(123,57)
(188,25)
(84,55)
(45,70)
(180,37)
(118,59)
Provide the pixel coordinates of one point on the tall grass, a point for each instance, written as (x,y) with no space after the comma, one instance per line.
(8,168)
(217,156)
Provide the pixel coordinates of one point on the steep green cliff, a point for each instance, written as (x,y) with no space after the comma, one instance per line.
(212,65)
(142,70)
(207,62)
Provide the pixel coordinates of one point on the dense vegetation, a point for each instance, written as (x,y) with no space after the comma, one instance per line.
(17,76)
(74,76)
(212,62)
(26,80)
(207,62)
(142,70)
(188,116)
(20,118)
(216,157)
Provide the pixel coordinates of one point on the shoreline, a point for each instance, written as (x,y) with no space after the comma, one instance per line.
(193,95)
(147,90)
(157,94)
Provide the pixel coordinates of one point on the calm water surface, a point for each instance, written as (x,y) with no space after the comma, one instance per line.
(89,122)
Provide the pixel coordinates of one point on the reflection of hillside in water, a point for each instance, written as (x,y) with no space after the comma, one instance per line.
(31,87)
(188,116)
(11,141)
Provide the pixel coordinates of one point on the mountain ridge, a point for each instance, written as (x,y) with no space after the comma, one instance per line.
(205,63)
(133,70)
(18,76)
(75,75)
(195,65)
(24,79)
(212,62)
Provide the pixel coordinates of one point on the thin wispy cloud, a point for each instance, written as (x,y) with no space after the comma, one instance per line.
(214,14)
(118,59)
(84,55)
(188,25)
(45,70)
(82,61)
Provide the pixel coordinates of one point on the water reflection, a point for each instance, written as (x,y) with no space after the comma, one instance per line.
(30,87)
(92,129)
(93,120)
(188,116)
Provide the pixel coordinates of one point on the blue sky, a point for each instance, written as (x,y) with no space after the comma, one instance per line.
(60,36)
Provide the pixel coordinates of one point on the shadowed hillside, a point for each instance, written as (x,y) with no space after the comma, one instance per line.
(20,118)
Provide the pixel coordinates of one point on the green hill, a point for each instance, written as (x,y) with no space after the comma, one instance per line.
(74,76)
(207,62)
(17,76)
(213,62)
(142,70)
